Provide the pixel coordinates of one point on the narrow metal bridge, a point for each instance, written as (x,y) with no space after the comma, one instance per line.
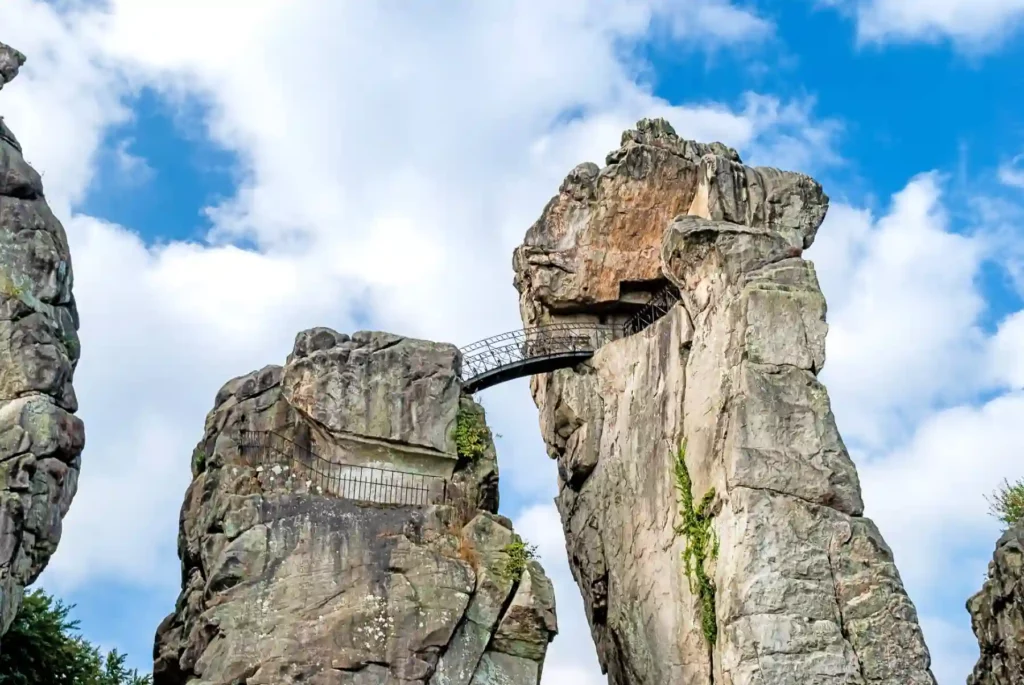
(542,349)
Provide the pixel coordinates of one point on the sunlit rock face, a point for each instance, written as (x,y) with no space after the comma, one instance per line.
(997,614)
(786,582)
(289,577)
(41,439)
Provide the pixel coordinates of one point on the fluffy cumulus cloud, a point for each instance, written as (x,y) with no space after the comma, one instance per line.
(389,157)
(903,311)
(977,25)
(908,360)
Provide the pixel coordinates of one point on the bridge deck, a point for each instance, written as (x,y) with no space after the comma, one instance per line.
(543,349)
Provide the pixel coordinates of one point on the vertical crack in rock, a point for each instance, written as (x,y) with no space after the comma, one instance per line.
(41,439)
(732,371)
(285,581)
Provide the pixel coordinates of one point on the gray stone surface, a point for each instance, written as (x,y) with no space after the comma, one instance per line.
(997,614)
(10,62)
(377,385)
(282,584)
(805,589)
(41,439)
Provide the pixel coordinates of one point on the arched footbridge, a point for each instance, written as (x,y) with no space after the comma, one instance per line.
(542,349)
(276,458)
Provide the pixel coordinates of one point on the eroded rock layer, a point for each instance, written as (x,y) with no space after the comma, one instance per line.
(766,571)
(41,439)
(283,582)
(997,615)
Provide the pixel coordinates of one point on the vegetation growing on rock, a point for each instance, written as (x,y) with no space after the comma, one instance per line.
(42,647)
(198,461)
(701,544)
(471,433)
(518,554)
(1007,502)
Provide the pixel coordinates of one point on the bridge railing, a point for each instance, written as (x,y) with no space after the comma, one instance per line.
(547,341)
(658,306)
(265,450)
(571,341)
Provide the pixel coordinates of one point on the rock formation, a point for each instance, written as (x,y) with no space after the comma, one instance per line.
(285,581)
(40,438)
(997,615)
(713,517)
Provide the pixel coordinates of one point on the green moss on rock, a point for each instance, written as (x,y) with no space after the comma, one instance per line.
(701,544)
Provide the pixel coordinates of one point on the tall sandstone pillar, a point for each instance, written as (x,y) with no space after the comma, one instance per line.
(41,439)
(766,572)
(312,560)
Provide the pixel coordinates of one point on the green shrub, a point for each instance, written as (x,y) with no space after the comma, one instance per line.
(518,555)
(472,436)
(42,648)
(1007,503)
(198,461)
(701,544)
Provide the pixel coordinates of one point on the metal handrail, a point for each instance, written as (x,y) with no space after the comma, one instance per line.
(658,306)
(571,342)
(337,479)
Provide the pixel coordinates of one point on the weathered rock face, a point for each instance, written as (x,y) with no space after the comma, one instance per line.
(40,438)
(997,615)
(285,583)
(584,255)
(786,582)
(380,386)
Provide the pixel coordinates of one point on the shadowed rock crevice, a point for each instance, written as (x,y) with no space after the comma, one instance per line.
(732,371)
(41,440)
(285,583)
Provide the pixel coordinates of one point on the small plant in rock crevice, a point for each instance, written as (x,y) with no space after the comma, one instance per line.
(1007,502)
(467,552)
(701,544)
(199,461)
(518,556)
(471,434)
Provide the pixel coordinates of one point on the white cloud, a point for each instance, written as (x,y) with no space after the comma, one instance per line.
(903,313)
(928,496)
(1011,173)
(135,170)
(907,360)
(975,25)
(64,87)
(1006,355)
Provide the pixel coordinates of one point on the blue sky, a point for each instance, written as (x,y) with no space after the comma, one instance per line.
(354,166)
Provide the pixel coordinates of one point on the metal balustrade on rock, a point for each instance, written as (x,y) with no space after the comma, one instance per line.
(542,349)
(266,450)
(659,305)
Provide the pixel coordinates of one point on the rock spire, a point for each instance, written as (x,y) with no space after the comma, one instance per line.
(713,517)
(41,439)
(997,614)
(303,561)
